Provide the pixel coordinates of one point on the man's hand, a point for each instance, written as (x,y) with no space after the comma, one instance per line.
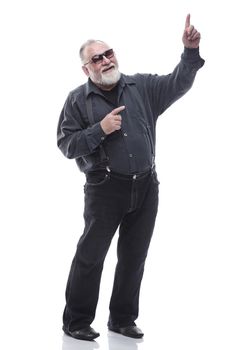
(112,121)
(191,37)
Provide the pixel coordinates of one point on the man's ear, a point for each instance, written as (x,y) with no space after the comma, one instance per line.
(84,68)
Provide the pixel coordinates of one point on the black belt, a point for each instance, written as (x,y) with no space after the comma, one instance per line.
(129,176)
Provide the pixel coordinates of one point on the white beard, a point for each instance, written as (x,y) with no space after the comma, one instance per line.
(110,78)
(107,78)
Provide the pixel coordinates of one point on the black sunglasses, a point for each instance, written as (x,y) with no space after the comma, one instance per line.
(99,58)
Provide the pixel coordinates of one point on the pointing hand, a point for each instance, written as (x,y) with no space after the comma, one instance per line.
(191,37)
(112,121)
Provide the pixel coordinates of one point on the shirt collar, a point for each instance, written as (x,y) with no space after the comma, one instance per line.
(90,87)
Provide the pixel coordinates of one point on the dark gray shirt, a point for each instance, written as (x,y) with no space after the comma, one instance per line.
(145,97)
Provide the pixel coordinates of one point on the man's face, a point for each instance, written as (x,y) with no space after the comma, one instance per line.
(104,73)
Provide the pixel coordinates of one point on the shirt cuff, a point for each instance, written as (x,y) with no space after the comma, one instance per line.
(95,136)
(192,56)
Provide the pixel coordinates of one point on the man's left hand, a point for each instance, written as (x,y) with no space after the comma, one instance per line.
(191,37)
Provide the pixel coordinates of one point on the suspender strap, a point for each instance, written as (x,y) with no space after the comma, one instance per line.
(90,115)
(91,119)
(141,103)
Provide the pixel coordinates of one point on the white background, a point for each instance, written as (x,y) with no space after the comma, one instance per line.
(186,297)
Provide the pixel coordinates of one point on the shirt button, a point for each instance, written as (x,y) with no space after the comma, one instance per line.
(125,134)
(102,138)
(130,155)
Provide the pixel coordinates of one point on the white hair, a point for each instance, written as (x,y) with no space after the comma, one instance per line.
(87,43)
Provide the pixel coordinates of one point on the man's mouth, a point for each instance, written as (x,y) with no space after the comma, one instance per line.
(108,69)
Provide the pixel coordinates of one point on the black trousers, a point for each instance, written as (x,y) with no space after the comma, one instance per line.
(111,201)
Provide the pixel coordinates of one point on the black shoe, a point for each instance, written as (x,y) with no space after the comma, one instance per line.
(87,333)
(129,331)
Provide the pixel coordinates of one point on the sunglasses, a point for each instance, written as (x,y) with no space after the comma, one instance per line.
(99,58)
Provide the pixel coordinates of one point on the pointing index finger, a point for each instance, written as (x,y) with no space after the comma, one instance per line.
(187,22)
(117,110)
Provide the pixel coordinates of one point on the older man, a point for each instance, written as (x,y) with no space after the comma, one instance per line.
(108,126)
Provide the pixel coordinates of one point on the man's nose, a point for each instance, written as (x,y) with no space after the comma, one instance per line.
(105,60)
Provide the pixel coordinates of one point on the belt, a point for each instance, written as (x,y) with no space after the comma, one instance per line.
(129,176)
